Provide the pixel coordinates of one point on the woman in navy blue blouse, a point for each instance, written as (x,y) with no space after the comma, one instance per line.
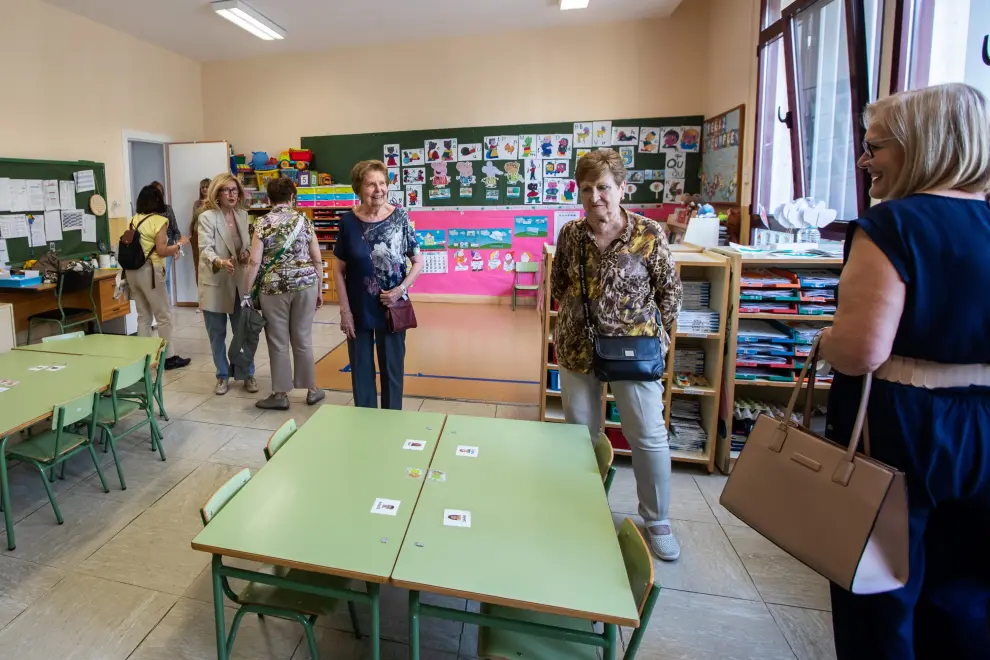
(914,309)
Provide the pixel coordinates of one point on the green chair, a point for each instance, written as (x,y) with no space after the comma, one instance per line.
(69,281)
(524,267)
(68,335)
(282,602)
(49,449)
(605,455)
(279,437)
(118,405)
(505,644)
(137,389)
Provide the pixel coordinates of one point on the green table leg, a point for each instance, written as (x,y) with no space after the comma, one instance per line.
(374,590)
(218,609)
(8,515)
(414,625)
(610,637)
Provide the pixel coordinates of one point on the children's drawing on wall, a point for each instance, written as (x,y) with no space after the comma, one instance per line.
(491,194)
(582,134)
(533,169)
(568,193)
(463,238)
(674,190)
(396,198)
(413,157)
(391,155)
(413,175)
(513,192)
(440,176)
(546,146)
(533,192)
(563,148)
(527,146)
(460,261)
(530,226)
(580,153)
(601,134)
(465,174)
(414,197)
(551,191)
(628,156)
(509,147)
(671,137)
(674,165)
(431,239)
(492,144)
(495,260)
(657,188)
(689,138)
(465,193)
(625,135)
(509,262)
(432,150)
(495,238)
(393,178)
(635,176)
(512,175)
(449,151)
(491,173)
(470,151)
(439,193)
(649,139)
(477,264)
(525,258)
(630,190)
(556,169)
(653,175)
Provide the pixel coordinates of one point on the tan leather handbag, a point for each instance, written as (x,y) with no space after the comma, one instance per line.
(840,512)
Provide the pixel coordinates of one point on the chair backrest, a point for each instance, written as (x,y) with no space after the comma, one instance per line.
(527,267)
(70,412)
(279,437)
(639,563)
(223,495)
(604,454)
(67,335)
(130,374)
(71,281)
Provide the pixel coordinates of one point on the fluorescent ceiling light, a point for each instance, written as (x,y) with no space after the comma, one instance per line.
(244,17)
(573,4)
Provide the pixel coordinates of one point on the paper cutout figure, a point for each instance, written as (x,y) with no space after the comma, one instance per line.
(533,170)
(556,169)
(582,134)
(469,151)
(509,264)
(628,155)
(657,188)
(460,261)
(525,258)
(674,190)
(477,265)
(432,150)
(546,146)
(533,192)
(510,146)
(568,193)
(391,155)
(396,198)
(414,197)
(413,175)
(649,139)
(562,146)
(449,152)
(581,153)
(494,260)
(635,176)
(465,174)
(527,146)
(465,192)
(393,178)
(630,189)
(512,174)
(551,191)
(440,178)
(622,135)
(413,156)
(601,134)
(491,147)
(513,192)
(671,137)
(689,139)
(491,174)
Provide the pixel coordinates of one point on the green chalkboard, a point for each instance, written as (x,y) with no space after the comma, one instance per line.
(336,154)
(71,245)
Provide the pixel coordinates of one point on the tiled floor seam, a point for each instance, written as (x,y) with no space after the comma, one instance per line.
(154,627)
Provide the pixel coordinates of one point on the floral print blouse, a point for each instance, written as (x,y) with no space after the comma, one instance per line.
(294,269)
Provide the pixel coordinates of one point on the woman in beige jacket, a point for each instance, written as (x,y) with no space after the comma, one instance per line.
(223,246)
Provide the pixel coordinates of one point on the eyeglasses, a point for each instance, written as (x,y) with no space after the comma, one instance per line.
(869,147)
(230,191)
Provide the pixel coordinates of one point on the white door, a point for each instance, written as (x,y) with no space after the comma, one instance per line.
(188,164)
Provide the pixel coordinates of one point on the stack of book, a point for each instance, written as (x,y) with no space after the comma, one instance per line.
(695,314)
(764,352)
(686,432)
(689,361)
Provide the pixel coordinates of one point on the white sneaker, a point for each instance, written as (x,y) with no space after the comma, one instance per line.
(662,541)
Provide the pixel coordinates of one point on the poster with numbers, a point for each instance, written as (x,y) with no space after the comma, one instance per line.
(434,262)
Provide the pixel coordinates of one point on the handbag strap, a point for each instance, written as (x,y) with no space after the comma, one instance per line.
(584,288)
(278,255)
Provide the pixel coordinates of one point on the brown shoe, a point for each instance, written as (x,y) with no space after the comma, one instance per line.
(221,387)
(250,385)
(274,402)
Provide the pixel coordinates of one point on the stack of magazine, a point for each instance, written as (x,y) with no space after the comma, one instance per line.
(686,432)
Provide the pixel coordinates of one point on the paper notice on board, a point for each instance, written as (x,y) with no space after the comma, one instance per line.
(53,225)
(50,190)
(14,226)
(561,218)
(4,195)
(89,228)
(36,222)
(4,256)
(72,220)
(85,181)
(67,195)
(36,195)
(18,196)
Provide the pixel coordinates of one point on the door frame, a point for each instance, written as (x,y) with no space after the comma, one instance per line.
(128,136)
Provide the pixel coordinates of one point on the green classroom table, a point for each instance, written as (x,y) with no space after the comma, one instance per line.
(122,346)
(310,506)
(541,535)
(37,392)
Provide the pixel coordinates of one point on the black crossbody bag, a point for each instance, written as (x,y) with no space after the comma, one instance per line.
(621,358)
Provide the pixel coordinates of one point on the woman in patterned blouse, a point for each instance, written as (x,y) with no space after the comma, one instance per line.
(285,251)
(630,279)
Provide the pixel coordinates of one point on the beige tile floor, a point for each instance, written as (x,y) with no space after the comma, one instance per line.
(119,580)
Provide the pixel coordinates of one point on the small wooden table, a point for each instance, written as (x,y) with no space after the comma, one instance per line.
(541,535)
(310,507)
(32,300)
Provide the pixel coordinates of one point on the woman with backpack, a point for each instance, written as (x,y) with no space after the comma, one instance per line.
(143,262)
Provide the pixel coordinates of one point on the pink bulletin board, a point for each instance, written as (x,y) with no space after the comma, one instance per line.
(489,281)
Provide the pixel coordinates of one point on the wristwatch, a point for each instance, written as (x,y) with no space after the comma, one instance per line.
(404,289)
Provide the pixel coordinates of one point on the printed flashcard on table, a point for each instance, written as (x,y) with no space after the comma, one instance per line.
(437,475)
(384,507)
(456,518)
(545,146)
(391,155)
(509,147)
(533,169)
(628,156)
(414,473)
(434,263)
(690,138)
(649,139)
(466,451)
(414,445)
(414,197)
(582,134)
(470,151)
(393,178)
(556,169)
(413,157)
(528,147)
(601,134)
(413,175)
(563,146)
(492,147)
(671,137)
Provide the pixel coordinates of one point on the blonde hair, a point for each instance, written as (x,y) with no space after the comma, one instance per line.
(597,163)
(362,169)
(212,202)
(945,133)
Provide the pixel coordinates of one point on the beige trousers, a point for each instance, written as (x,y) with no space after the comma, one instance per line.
(289,322)
(152,303)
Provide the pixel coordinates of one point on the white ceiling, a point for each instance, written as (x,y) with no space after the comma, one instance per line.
(190,28)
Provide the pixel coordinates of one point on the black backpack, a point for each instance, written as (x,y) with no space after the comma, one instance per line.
(130,256)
